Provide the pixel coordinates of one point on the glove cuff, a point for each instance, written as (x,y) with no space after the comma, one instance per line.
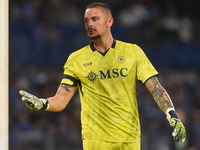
(45,104)
(171,113)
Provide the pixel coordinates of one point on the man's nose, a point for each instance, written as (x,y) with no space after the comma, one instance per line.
(89,24)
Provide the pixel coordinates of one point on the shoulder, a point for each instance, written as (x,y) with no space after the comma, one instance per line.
(79,53)
(127,46)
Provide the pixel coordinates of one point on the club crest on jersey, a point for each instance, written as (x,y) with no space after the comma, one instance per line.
(121,59)
(92,76)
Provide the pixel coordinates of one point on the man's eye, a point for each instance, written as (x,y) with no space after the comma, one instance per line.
(95,19)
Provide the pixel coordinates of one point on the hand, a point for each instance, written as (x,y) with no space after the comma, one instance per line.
(33,102)
(179,132)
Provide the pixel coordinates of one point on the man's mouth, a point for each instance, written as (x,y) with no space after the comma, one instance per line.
(91,30)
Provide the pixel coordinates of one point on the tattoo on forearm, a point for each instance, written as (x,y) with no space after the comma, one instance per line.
(159,94)
(66,87)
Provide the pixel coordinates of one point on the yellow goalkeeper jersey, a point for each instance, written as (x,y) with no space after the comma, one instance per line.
(107,87)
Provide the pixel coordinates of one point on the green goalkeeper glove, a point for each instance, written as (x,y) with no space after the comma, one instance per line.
(33,102)
(179,132)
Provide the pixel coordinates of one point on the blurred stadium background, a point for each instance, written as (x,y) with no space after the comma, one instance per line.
(44,32)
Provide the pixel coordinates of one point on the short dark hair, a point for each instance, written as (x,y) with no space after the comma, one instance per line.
(101,5)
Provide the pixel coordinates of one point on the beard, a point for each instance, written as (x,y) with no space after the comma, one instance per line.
(95,37)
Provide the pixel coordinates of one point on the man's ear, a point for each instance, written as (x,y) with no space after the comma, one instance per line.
(110,22)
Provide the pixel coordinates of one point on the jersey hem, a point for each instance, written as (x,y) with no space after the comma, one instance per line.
(121,141)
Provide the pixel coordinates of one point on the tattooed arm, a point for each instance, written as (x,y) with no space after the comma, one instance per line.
(62,97)
(164,102)
(159,94)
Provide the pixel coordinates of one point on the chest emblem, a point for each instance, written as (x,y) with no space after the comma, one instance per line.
(92,76)
(121,59)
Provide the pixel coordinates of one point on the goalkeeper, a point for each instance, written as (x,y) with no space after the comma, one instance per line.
(106,74)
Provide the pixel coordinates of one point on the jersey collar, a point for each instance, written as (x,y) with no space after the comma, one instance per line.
(93,48)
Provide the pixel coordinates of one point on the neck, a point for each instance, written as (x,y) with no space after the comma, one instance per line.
(103,44)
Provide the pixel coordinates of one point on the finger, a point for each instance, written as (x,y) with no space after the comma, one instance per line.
(27,100)
(177,138)
(24,99)
(26,94)
(172,123)
(174,133)
(23,93)
(180,137)
(183,140)
(183,136)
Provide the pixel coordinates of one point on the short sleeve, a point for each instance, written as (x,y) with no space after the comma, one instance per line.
(145,69)
(69,77)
